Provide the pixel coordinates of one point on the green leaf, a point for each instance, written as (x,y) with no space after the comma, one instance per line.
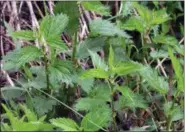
(134,23)
(93,44)
(53,26)
(100,118)
(111,57)
(159,17)
(86,84)
(57,43)
(65,124)
(24,34)
(125,68)
(98,62)
(127,8)
(28,53)
(95,73)
(70,8)
(176,113)
(158,54)
(130,99)
(31,116)
(88,104)
(178,70)
(42,104)
(169,40)
(156,82)
(96,6)
(106,28)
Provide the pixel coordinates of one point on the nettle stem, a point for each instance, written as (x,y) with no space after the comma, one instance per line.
(74,48)
(112,107)
(46,71)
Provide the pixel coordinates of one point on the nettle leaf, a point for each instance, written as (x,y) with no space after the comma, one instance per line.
(106,28)
(61,71)
(159,17)
(101,117)
(127,8)
(95,73)
(43,105)
(176,113)
(178,70)
(143,11)
(97,7)
(93,44)
(28,53)
(24,34)
(52,26)
(130,99)
(111,57)
(159,54)
(57,43)
(156,82)
(170,41)
(70,8)
(134,23)
(65,124)
(98,62)
(88,104)
(124,68)
(86,84)
(101,92)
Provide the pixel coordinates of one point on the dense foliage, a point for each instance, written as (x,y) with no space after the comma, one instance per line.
(127,74)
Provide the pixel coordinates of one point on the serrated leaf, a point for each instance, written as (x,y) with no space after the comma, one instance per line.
(93,44)
(155,81)
(111,57)
(24,34)
(178,70)
(65,124)
(98,62)
(106,28)
(169,40)
(87,104)
(127,8)
(96,6)
(100,118)
(125,68)
(175,114)
(87,84)
(52,26)
(43,105)
(130,99)
(57,43)
(70,8)
(28,53)
(95,73)
(134,23)
(158,54)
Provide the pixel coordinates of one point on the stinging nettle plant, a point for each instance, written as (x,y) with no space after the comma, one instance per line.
(45,75)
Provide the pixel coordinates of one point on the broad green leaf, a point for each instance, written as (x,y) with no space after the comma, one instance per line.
(97,7)
(158,54)
(24,34)
(125,68)
(43,105)
(93,44)
(70,8)
(95,73)
(106,28)
(130,99)
(53,26)
(155,81)
(127,8)
(31,116)
(178,70)
(176,113)
(159,17)
(88,104)
(65,124)
(101,92)
(98,62)
(134,23)
(28,53)
(101,117)
(57,43)
(111,57)
(86,84)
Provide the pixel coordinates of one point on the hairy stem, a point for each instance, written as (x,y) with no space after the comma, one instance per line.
(74,48)
(112,107)
(46,71)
